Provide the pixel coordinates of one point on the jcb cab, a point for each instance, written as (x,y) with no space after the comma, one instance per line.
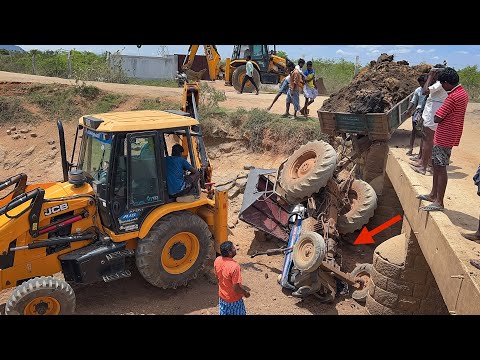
(112,204)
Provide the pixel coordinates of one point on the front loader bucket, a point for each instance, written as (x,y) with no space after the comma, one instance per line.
(263,207)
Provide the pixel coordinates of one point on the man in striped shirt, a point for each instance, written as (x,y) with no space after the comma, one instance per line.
(449,117)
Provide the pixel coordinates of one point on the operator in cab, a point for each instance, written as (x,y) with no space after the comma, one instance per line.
(180,185)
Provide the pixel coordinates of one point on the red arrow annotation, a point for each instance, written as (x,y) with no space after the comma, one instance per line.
(366,237)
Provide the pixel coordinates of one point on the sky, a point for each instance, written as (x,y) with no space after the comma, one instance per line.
(457,56)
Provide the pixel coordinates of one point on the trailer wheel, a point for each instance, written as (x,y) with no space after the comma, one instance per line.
(363,202)
(175,250)
(237,78)
(362,275)
(309,251)
(42,296)
(308,169)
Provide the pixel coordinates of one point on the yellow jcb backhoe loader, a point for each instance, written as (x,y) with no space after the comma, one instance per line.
(112,204)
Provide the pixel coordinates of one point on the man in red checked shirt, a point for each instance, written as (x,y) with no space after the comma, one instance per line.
(230,288)
(450,117)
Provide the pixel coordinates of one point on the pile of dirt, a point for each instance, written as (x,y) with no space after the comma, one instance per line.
(377,87)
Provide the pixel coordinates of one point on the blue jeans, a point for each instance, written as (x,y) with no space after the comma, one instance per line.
(233,308)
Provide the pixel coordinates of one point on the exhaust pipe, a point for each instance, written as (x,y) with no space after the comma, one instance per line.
(63,151)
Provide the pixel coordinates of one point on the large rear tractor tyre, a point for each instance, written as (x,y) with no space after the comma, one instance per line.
(42,296)
(308,169)
(175,250)
(362,275)
(309,251)
(363,202)
(239,74)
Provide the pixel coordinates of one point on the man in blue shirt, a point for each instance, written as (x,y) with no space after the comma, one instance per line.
(179,184)
(249,74)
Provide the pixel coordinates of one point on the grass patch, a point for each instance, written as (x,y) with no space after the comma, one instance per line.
(108,102)
(157,104)
(89,92)
(55,100)
(66,102)
(271,132)
(12,111)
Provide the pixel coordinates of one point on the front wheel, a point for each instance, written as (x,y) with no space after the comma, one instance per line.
(42,296)
(175,250)
(362,276)
(309,251)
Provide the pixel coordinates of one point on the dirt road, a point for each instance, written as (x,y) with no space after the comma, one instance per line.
(234,100)
(136,296)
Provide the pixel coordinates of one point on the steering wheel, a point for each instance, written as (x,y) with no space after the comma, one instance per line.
(292,219)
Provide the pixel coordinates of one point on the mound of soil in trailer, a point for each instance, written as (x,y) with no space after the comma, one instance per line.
(377,87)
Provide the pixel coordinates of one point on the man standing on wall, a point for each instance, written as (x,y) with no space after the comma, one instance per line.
(450,118)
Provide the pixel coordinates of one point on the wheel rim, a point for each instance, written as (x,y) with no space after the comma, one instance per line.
(44,305)
(241,77)
(303,165)
(362,278)
(180,253)
(306,250)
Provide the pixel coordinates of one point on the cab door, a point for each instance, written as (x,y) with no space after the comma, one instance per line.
(139,186)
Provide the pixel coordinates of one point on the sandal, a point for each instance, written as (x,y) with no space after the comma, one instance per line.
(475,263)
(418,170)
(423,197)
(472,237)
(409,152)
(432,207)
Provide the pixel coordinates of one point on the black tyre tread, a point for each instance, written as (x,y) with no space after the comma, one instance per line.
(41,286)
(361,295)
(362,212)
(149,249)
(319,247)
(248,86)
(326,163)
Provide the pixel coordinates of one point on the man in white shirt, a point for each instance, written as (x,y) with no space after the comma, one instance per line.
(436,97)
(283,89)
(249,74)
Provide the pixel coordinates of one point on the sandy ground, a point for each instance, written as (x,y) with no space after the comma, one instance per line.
(136,296)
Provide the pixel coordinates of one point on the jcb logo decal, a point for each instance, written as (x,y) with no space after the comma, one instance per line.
(55,209)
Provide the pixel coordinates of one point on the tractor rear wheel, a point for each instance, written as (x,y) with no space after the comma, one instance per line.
(308,169)
(239,74)
(42,296)
(363,202)
(175,250)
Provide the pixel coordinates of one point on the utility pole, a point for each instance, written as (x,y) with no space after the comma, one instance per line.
(357,65)
(34,70)
(163,50)
(70,64)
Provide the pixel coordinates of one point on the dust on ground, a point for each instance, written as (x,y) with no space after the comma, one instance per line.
(377,87)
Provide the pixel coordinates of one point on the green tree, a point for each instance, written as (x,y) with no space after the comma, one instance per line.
(282,54)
